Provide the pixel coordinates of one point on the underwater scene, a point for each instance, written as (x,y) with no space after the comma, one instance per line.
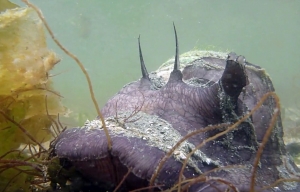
(149,95)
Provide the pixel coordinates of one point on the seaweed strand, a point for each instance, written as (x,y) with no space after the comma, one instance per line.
(257,106)
(168,155)
(40,15)
(266,136)
(125,176)
(22,129)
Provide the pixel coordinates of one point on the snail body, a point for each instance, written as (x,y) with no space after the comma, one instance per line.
(146,118)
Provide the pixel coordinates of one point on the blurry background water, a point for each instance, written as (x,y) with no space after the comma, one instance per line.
(103,34)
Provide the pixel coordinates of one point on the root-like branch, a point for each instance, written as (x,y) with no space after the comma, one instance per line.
(109,143)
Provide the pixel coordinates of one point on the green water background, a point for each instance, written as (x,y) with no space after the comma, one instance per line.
(103,34)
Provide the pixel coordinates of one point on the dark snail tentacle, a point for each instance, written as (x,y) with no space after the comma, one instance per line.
(176,75)
(143,67)
(145,83)
(176,63)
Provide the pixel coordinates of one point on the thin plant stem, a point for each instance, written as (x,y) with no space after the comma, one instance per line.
(265,138)
(168,155)
(230,128)
(122,181)
(38,11)
(22,129)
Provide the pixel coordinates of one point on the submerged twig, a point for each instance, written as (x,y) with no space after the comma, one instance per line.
(276,183)
(202,178)
(123,180)
(22,129)
(207,179)
(168,155)
(230,128)
(266,136)
(40,15)
(11,180)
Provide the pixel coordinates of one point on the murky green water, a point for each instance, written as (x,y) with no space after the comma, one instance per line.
(103,34)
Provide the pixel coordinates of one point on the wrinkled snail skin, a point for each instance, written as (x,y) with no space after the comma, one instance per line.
(207,91)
